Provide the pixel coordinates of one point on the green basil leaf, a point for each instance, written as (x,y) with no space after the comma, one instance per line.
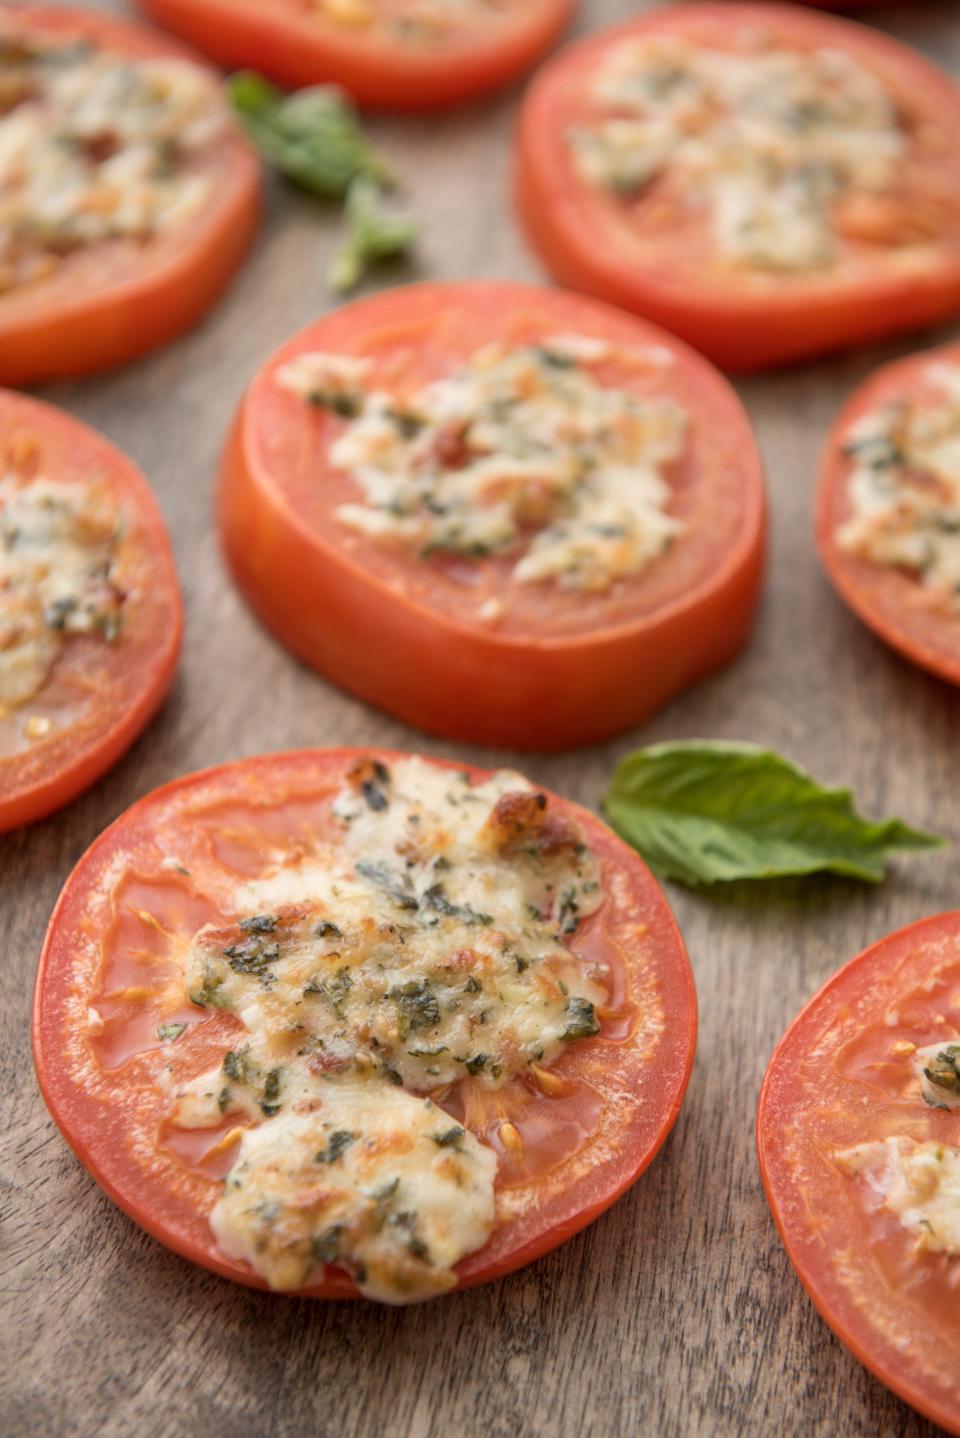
(372,235)
(709,812)
(312,136)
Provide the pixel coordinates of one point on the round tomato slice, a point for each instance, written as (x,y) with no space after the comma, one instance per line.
(921,621)
(88,305)
(751,276)
(99,692)
(109,979)
(399,55)
(454,642)
(843,1091)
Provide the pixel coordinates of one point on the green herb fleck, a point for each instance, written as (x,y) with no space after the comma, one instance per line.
(169,1033)
(337,1144)
(450,1137)
(581,1019)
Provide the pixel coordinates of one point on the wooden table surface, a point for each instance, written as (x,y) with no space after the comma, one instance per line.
(677,1312)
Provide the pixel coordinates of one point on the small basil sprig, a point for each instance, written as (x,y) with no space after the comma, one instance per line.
(373,235)
(709,812)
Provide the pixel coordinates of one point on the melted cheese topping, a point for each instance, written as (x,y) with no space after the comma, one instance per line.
(95,146)
(520,450)
(780,146)
(938,1071)
(904,490)
(424,946)
(413,22)
(917,1182)
(56,550)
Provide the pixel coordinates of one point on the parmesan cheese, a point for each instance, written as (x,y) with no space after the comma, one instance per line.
(919,1183)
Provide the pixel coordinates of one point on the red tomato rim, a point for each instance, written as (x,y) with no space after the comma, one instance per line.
(299,51)
(50,792)
(212,249)
(755,508)
(842,569)
(471,1272)
(949,924)
(542,177)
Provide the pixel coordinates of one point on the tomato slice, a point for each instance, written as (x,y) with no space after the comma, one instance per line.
(556,666)
(921,624)
(892,258)
(103,303)
(98,695)
(844,1075)
(380,53)
(108,977)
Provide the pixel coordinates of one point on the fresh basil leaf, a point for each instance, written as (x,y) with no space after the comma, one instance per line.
(312,136)
(709,812)
(372,235)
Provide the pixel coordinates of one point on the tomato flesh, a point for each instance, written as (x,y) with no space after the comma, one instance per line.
(112,947)
(841,1076)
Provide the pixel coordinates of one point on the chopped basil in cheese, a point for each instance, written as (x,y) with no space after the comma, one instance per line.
(919,1183)
(427,943)
(938,1069)
(57,544)
(412,22)
(521,450)
(95,146)
(771,142)
(904,489)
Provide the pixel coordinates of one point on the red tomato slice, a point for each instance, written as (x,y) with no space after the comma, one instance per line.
(559,667)
(363,51)
(111,948)
(840,1077)
(99,695)
(108,302)
(653,253)
(892,601)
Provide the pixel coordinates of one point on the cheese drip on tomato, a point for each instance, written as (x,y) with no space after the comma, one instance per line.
(904,490)
(786,151)
(57,544)
(919,1183)
(522,450)
(95,146)
(427,945)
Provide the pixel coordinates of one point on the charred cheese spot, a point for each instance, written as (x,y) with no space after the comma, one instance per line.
(428,944)
(919,1183)
(522,450)
(94,146)
(786,150)
(904,488)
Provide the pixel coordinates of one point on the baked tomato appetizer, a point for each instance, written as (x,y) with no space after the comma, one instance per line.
(90,612)
(507,515)
(859,1141)
(767,182)
(127,195)
(888,508)
(389,54)
(339,1022)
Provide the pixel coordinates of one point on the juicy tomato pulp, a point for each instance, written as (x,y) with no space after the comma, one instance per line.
(652,252)
(105,303)
(100,693)
(892,601)
(557,666)
(367,49)
(109,975)
(841,1076)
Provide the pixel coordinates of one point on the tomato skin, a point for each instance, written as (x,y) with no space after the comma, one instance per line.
(98,1128)
(467,682)
(886,600)
(740,332)
(297,51)
(115,323)
(35,783)
(811,1247)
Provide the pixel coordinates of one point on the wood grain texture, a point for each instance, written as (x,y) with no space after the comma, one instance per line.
(677,1313)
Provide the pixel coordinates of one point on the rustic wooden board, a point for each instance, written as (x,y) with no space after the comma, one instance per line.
(677,1313)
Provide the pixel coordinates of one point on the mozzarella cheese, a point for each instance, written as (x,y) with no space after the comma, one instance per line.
(426,944)
(904,490)
(95,146)
(770,142)
(522,450)
(919,1183)
(57,543)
